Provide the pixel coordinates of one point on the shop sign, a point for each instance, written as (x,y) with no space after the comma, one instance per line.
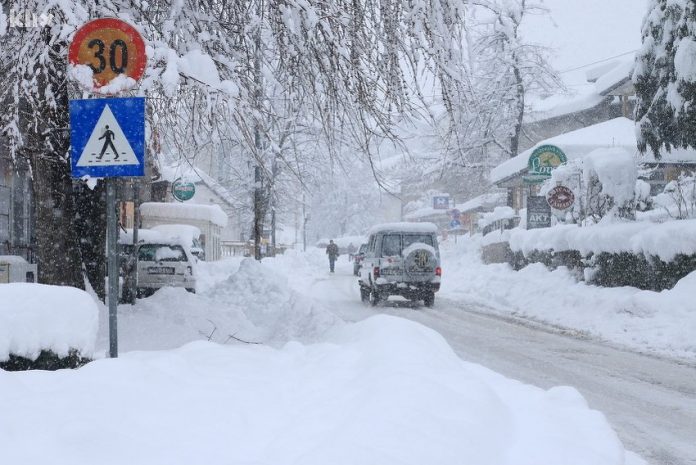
(560,198)
(538,213)
(542,161)
(182,190)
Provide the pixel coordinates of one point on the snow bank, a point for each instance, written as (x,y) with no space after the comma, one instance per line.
(36,317)
(383,391)
(659,322)
(235,297)
(664,240)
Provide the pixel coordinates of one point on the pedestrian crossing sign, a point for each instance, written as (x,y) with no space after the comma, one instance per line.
(107,137)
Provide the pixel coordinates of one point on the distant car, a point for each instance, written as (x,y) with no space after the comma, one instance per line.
(163,265)
(358,258)
(401,259)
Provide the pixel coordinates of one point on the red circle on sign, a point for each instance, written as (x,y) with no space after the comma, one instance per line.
(110,47)
(560,198)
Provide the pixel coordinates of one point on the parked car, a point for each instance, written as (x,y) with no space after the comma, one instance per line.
(187,234)
(401,259)
(163,265)
(358,258)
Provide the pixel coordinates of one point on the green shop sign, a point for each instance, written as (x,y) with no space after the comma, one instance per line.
(182,190)
(542,161)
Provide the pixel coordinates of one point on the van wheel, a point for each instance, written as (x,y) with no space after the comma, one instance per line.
(429,299)
(191,290)
(364,294)
(375,297)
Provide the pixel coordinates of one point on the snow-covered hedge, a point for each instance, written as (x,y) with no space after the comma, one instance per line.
(663,240)
(46,324)
(639,254)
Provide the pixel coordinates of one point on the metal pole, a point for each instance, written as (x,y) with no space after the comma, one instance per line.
(112,246)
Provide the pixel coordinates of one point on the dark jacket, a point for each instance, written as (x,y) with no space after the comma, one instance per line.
(332,251)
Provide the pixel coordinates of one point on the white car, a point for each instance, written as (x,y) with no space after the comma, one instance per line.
(164,265)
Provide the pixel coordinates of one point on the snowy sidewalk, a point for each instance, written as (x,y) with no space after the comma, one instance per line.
(657,322)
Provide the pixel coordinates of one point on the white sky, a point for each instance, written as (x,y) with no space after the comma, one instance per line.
(585,31)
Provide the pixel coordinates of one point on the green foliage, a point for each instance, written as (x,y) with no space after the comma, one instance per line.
(47,360)
(666,91)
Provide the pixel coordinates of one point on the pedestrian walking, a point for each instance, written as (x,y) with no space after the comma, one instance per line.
(332,252)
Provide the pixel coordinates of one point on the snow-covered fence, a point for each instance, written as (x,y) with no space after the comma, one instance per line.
(640,254)
(46,327)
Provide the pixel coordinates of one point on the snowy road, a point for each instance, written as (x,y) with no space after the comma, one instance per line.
(651,402)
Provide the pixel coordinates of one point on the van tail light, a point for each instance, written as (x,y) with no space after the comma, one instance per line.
(375,272)
(438,271)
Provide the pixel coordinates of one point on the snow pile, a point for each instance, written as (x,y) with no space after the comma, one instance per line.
(661,322)
(36,317)
(663,240)
(384,391)
(267,301)
(235,297)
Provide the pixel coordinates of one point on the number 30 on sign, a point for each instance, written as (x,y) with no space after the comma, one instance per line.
(110,48)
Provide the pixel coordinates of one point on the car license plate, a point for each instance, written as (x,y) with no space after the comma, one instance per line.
(160,270)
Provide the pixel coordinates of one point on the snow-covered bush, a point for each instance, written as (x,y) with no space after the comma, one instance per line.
(610,175)
(46,327)
(679,197)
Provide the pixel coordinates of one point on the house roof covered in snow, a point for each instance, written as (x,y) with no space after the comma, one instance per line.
(483,202)
(618,132)
(185,211)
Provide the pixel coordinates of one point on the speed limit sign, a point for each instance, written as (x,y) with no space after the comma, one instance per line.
(110,48)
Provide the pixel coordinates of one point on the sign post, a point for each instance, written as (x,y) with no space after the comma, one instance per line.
(107,135)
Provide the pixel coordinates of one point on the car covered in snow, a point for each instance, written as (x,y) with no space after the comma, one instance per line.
(156,261)
(164,264)
(401,259)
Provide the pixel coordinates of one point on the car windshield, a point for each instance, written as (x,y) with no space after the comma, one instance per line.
(161,253)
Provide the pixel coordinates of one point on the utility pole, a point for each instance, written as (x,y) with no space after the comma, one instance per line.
(304,223)
(258,181)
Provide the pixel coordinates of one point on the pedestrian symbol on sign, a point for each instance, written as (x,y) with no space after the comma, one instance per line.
(109,136)
(101,148)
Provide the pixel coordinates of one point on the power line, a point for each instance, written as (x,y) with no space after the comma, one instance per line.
(598,62)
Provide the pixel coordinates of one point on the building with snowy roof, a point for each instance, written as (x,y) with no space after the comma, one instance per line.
(616,133)
(209,219)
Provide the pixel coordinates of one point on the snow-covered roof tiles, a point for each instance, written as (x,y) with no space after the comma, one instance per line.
(618,132)
(559,105)
(185,211)
(617,77)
